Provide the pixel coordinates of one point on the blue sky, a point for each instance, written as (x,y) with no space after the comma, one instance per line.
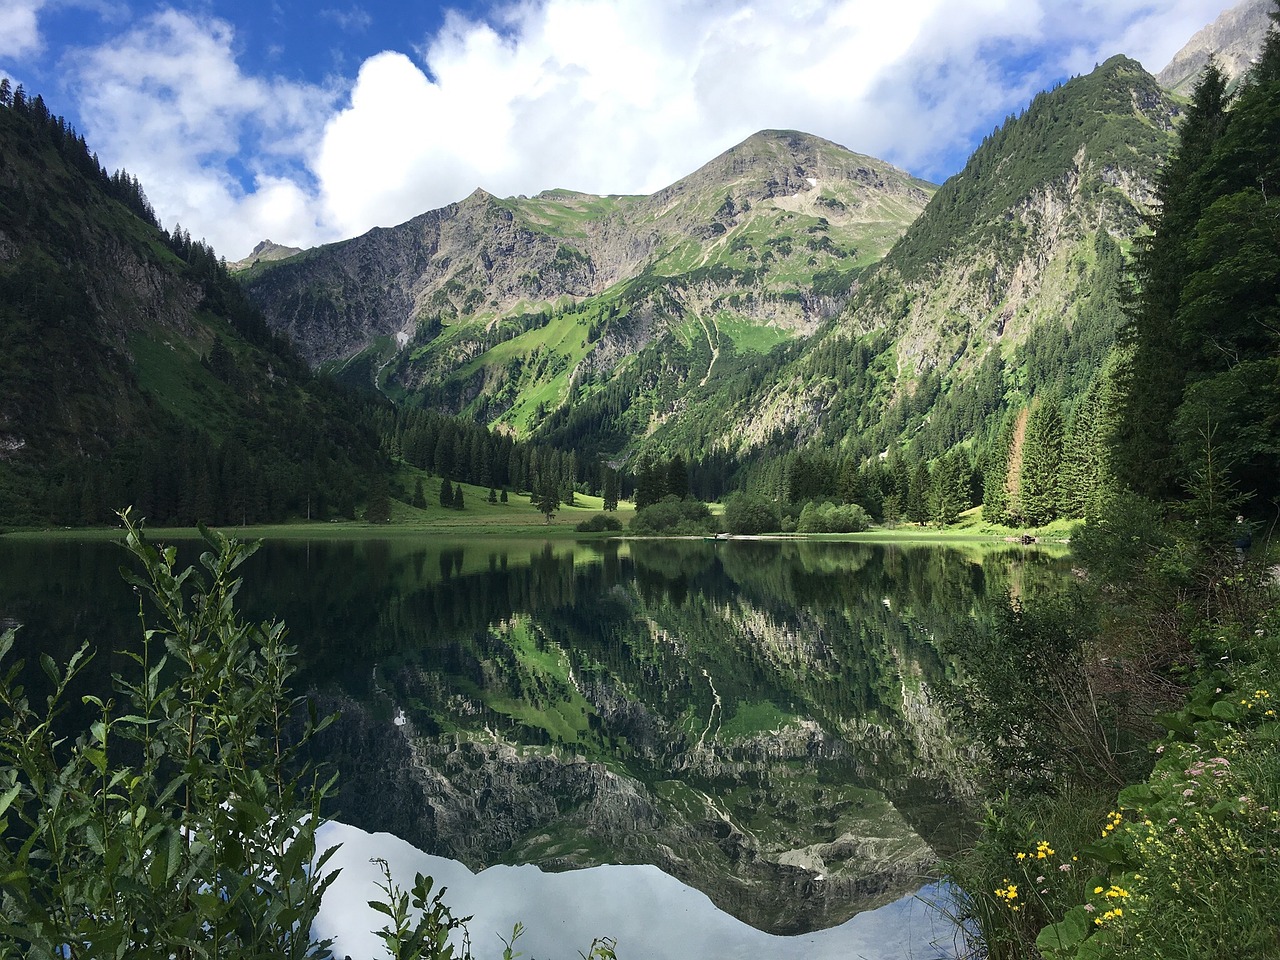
(310,122)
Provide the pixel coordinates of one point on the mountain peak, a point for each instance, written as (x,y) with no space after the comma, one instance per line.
(1235,39)
(782,163)
(266,250)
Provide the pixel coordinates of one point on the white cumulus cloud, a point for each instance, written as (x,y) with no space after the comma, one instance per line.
(168,101)
(20,28)
(608,97)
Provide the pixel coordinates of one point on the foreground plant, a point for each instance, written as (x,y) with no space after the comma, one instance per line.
(1193,868)
(178,824)
(181,823)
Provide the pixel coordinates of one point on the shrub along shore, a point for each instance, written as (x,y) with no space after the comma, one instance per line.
(1142,818)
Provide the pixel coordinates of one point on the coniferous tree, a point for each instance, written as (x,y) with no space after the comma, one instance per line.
(1157,364)
(995,475)
(612,484)
(949,488)
(378,509)
(677,477)
(1205,328)
(547,497)
(458,502)
(917,503)
(1040,481)
(1087,472)
(446,493)
(651,482)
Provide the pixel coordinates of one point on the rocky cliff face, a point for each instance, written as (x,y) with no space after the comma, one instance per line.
(614,323)
(469,257)
(1235,39)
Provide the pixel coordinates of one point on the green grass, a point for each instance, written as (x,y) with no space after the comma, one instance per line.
(564,213)
(749,337)
(517,519)
(482,517)
(554,350)
(170,371)
(750,719)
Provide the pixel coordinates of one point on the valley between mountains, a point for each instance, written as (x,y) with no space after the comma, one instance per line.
(793,319)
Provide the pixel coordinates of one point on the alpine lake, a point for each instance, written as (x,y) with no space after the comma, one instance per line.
(754,727)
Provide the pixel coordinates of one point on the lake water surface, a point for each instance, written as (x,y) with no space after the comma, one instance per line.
(752,727)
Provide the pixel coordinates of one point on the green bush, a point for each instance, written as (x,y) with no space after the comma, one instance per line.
(178,824)
(749,513)
(598,524)
(1186,859)
(830,518)
(671,515)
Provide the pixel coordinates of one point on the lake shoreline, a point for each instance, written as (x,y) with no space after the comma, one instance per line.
(358,530)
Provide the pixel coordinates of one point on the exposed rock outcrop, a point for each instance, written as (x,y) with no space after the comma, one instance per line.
(1235,39)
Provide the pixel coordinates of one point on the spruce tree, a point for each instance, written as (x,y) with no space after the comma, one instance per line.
(612,484)
(949,488)
(446,493)
(1041,488)
(378,509)
(547,497)
(677,478)
(1156,360)
(995,475)
(651,482)
(917,505)
(1205,329)
(1087,471)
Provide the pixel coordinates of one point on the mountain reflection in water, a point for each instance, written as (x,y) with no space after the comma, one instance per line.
(650,915)
(756,719)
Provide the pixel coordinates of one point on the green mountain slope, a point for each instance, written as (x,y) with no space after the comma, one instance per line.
(133,370)
(1007,285)
(508,310)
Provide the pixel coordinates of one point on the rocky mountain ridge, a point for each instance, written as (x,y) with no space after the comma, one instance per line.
(266,250)
(1234,40)
(1012,247)
(483,259)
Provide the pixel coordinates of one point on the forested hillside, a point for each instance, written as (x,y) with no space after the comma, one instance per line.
(785,321)
(1147,752)
(133,369)
(518,312)
(1200,374)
